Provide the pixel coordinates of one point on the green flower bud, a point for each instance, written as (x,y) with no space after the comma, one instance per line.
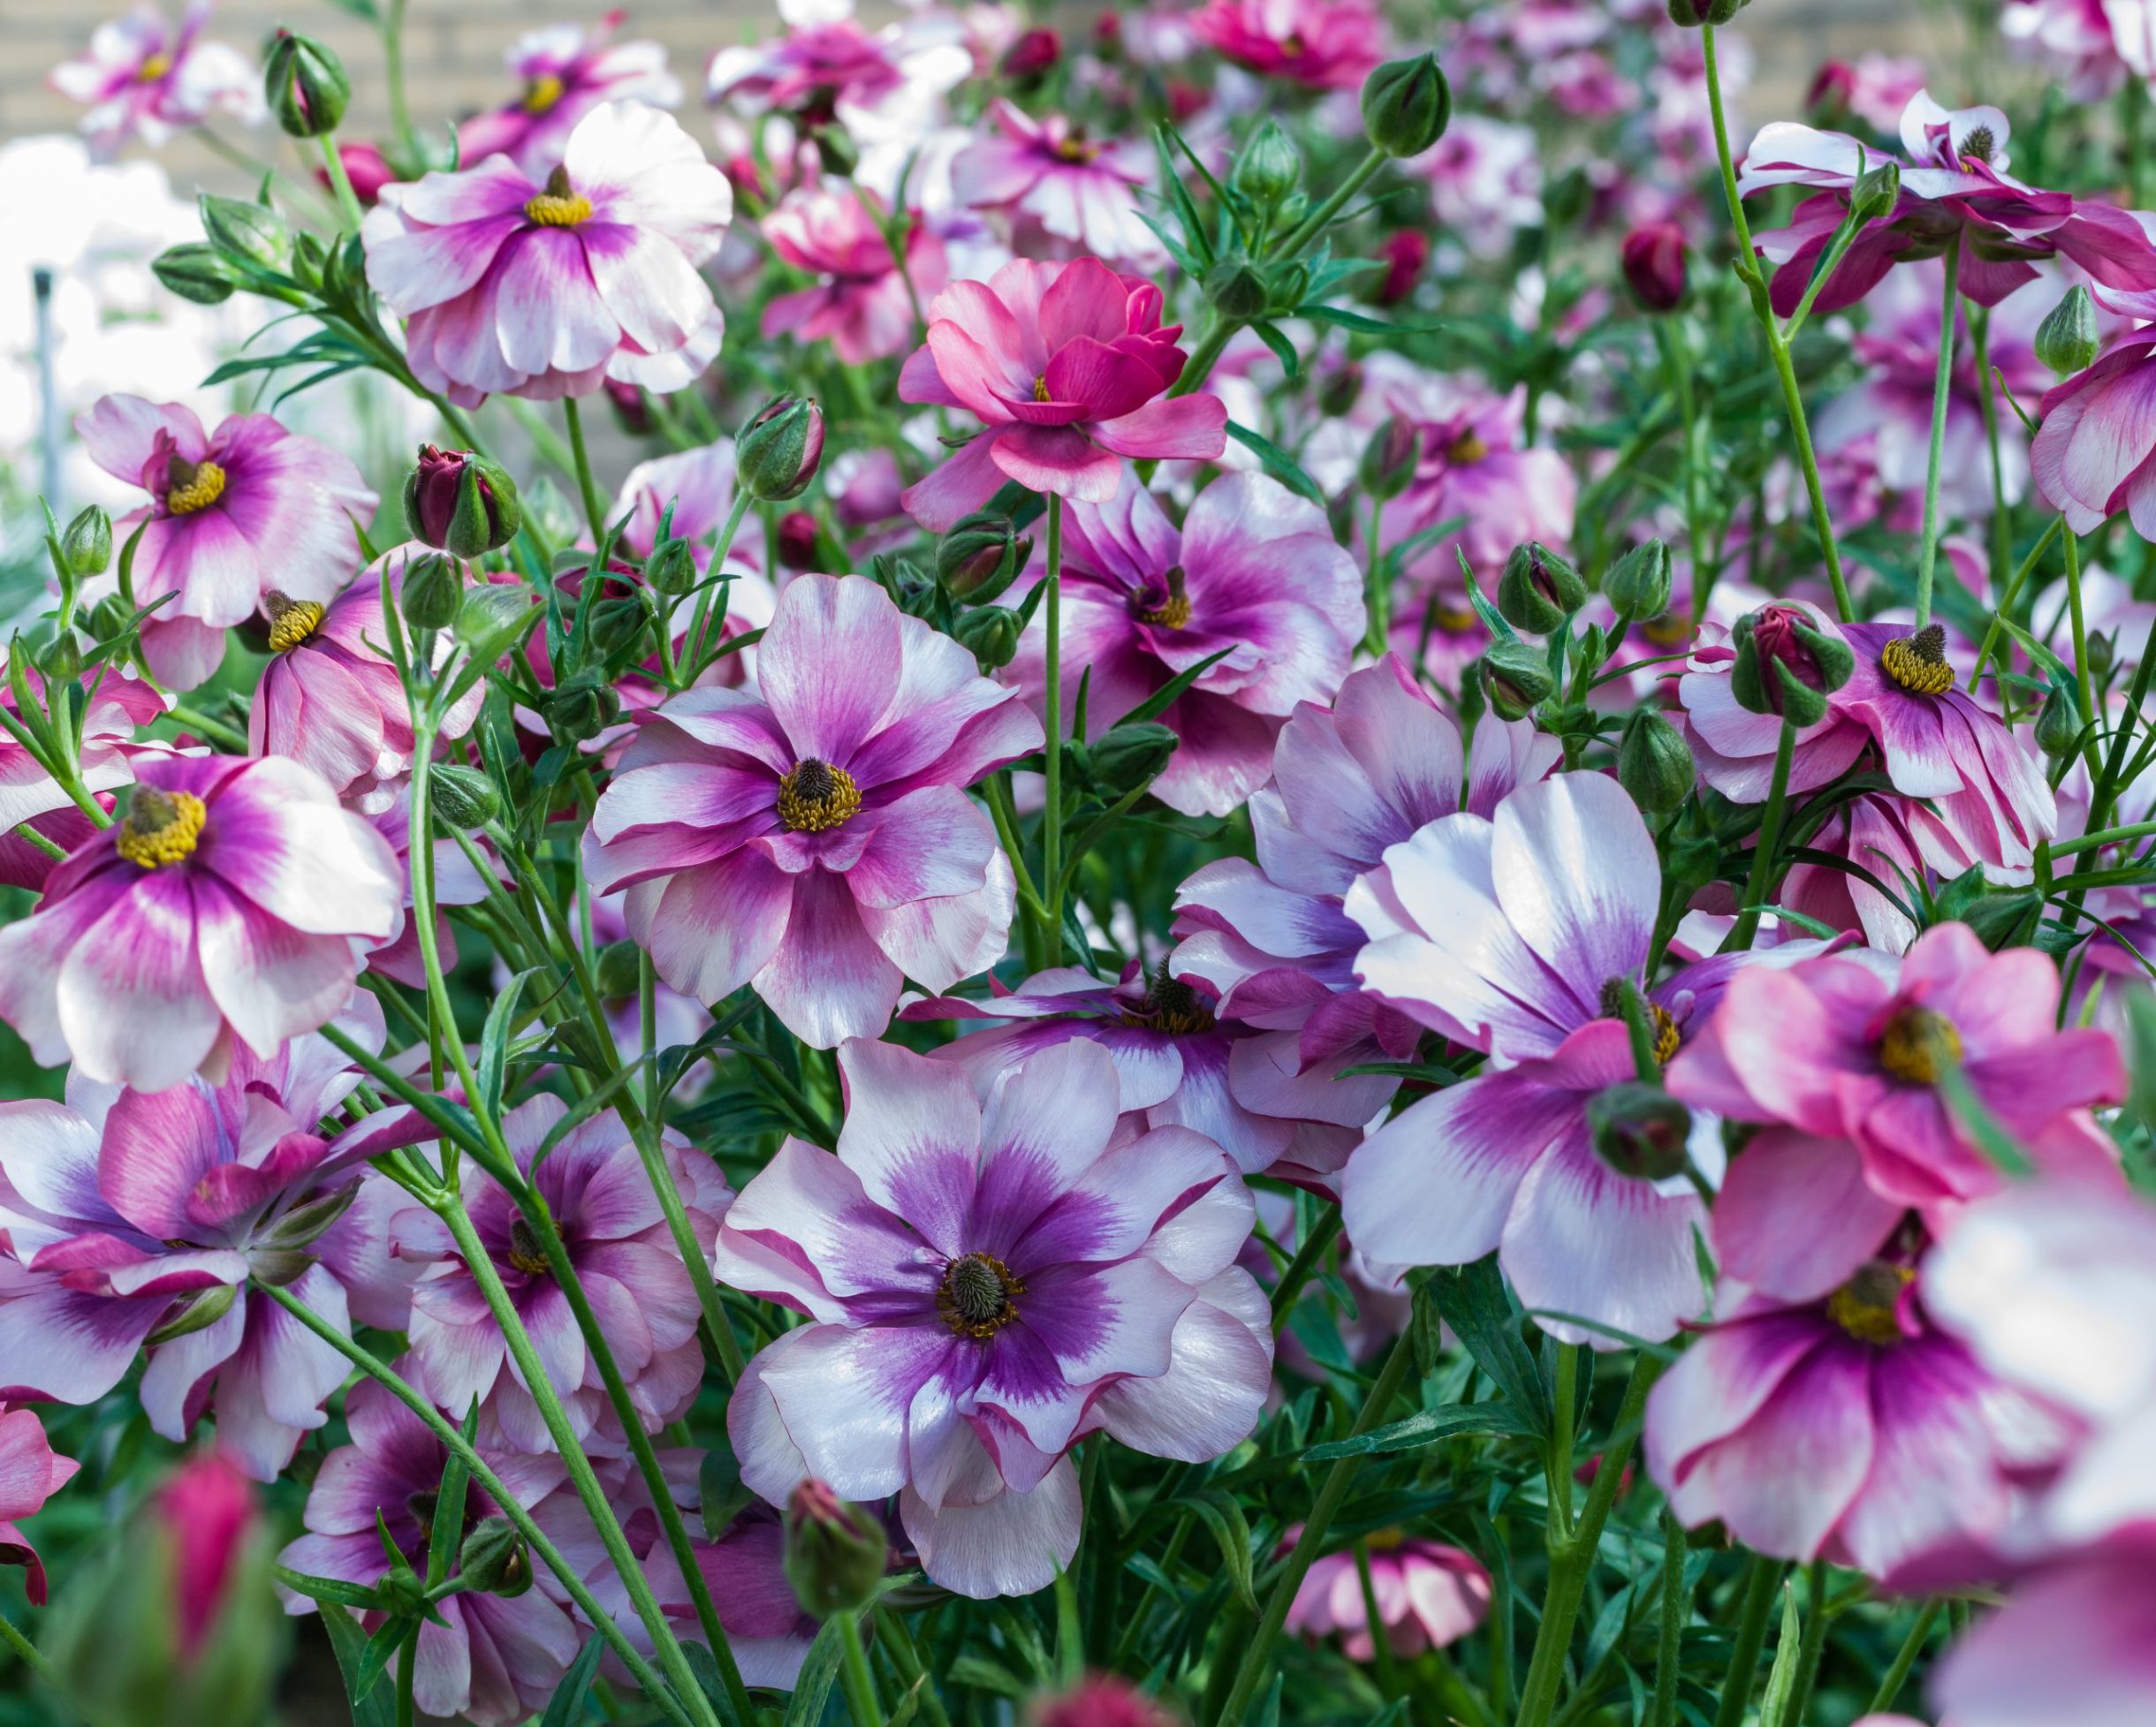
(87,543)
(245,233)
(2058,722)
(1691,14)
(1269,168)
(1129,756)
(1390,459)
(618,972)
(1538,589)
(1876,192)
(1654,763)
(780,451)
(61,661)
(489,614)
(991,634)
(1516,678)
(1786,665)
(1236,288)
(1637,584)
(1639,1131)
(582,707)
(980,558)
(464,798)
(616,624)
(672,568)
(2067,341)
(433,588)
(461,501)
(836,152)
(196,272)
(197,1312)
(305,85)
(1406,105)
(836,1553)
(492,1559)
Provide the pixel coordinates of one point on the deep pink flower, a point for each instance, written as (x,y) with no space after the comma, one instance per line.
(143,78)
(1253,570)
(1653,258)
(232,514)
(1078,191)
(30,1473)
(1067,366)
(566,70)
(2092,47)
(1873,87)
(1896,841)
(1406,255)
(489,1658)
(2095,455)
(815,841)
(222,911)
(545,289)
(618,1240)
(987,1284)
(1429,1594)
(209,1510)
(826,68)
(1099,1700)
(1954,190)
(366,167)
(863,304)
(1324,44)
(1849,1048)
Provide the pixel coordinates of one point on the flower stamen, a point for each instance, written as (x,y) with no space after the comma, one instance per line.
(194,486)
(1868,1306)
(525,1253)
(975,1297)
(1171,1005)
(161,827)
(1467,449)
(155,67)
(1918,663)
(542,93)
(560,205)
(1917,1044)
(1040,389)
(1169,610)
(291,621)
(815,797)
(1661,1022)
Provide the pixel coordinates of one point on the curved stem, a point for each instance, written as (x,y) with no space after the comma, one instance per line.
(1298,1270)
(1316,222)
(1052,709)
(1912,1646)
(33,1657)
(1762,1586)
(1942,396)
(347,200)
(859,1682)
(1762,875)
(595,513)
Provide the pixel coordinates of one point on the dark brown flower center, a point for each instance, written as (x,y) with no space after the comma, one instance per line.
(161,827)
(975,1297)
(1917,1044)
(525,1253)
(1172,1006)
(1868,1306)
(1163,602)
(1918,663)
(815,796)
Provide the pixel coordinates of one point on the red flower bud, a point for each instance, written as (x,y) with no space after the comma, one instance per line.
(1653,259)
(1406,254)
(1035,52)
(797,540)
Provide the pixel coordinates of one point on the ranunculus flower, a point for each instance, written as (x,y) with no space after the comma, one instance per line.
(1654,265)
(824,67)
(986,1285)
(232,514)
(566,70)
(545,289)
(1325,44)
(1255,570)
(1429,1594)
(1065,365)
(2095,453)
(864,303)
(30,1473)
(814,840)
(1078,190)
(142,79)
(2092,47)
(222,910)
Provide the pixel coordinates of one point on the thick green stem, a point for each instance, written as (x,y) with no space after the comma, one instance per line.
(594,512)
(1942,396)
(853,1672)
(1298,1270)
(1669,1651)
(347,200)
(1912,1646)
(1052,709)
(1306,232)
(1762,1584)
(2082,688)
(1762,877)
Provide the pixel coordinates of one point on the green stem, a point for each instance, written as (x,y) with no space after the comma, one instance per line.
(2002,550)
(1669,1652)
(33,1657)
(225,737)
(2007,599)
(1052,708)
(392,64)
(1252,1661)
(534,1537)
(1381,1642)
(1942,396)
(1677,355)
(1762,875)
(859,1681)
(1912,1646)
(1316,222)
(347,200)
(1763,1583)
(1199,366)
(32,837)
(594,512)
(1298,1270)
(408,1676)
(2081,688)
(693,663)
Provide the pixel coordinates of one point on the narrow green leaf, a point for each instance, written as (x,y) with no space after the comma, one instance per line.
(369,1708)
(1277,462)
(819,1672)
(1427,1427)
(566,1708)
(1486,1320)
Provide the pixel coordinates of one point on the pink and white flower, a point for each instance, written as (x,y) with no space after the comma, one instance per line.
(2090,46)
(30,1473)
(1079,191)
(547,288)
(1429,1594)
(986,1283)
(143,78)
(232,514)
(1324,44)
(566,70)
(864,302)
(2094,455)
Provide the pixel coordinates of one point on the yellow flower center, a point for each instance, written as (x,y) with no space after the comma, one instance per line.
(161,828)
(201,486)
(542,93)
(560,205)
(1918,663)
(1040,389)
(1867,1305)
(1073,148)
(291,621)
(975,1298)
(153,68)
(1384,1540)
(1667,631)
(1171,613)
(1917,1044)
(1453,618)
(1468,447)
(815,796)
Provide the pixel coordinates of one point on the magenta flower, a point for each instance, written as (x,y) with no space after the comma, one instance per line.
(1954,184)
(2094,455)
(2092,47)
(862,303)
(985,1285)
(1890,837)
(1253,570)
(815,841)
(566,70)
(330,698)
(1842,1049)
(232,514)
(618,1240)
(30,1473)
(1324,44)
(1066,366)
(1349,782)
(221,911)
(1429,1594)
(142,79)
(826,68)
(1081,193)
(545,290)
(489,1658)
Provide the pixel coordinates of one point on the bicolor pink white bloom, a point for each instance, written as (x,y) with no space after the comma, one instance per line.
(1255,570)
(1325,44)
(30,1473)
(2090,46)
(987,1283)
(1429,1594)
(143,78)
(223,910)
(1066,367)
(864,302)
(2094,454)
(566,70)
(1052,180)
(548,287)
(825,67)
(814,840)
(232,514)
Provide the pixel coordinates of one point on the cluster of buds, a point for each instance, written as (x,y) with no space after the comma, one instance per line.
(1786,665)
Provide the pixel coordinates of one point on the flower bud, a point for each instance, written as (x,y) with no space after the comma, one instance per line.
(1786,665)
(836,1553)
(2066,340)
(1405,253)
(245,233)
(1129,756)
(1406,105)
(1637,584)
(2058,723)
(1654,266)
(581,708)
(1691,14)
(1654,763)
(617,622)
(1236,288)
(492,1559)
(835,152)
(1876,192)
(61,661)
(305,85)
(1390,459)
(490,616)
(195,272)
(672,568)
(980,557)
(1269,168)
(1099,1700)
(1516,678)
(464,798)
(1032,56)
(1538,589)
(461,501)
(87,546)
(433,589)
(797,532)
(618,971)
(780,449)
(991,634)
(1639,1131)
(1340,389)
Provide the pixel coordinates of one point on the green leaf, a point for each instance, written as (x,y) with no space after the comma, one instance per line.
(566,1708)
(720,1494)
(1283,350)
(819,1672)
(375,1656)
(359,1596)
(1486,1320)
(978,1673)
(369,1708)
(1277,462)
(1070,1640)
(1427,1427)
(449,1506)
(493,1041)
(1781,1678)
(1158,703)
(1223,1520)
